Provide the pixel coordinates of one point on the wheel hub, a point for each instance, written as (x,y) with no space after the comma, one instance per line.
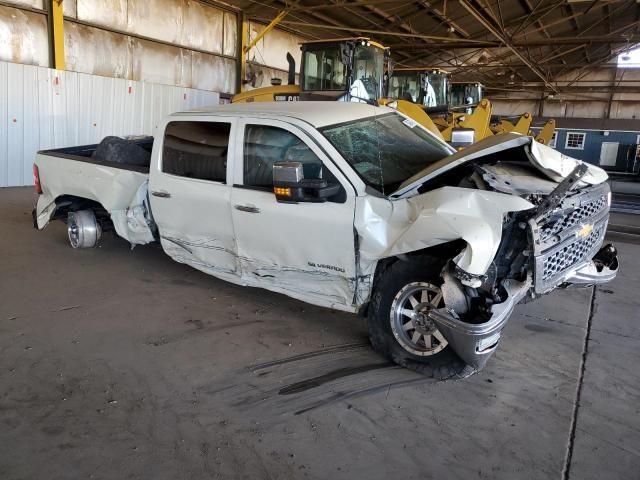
(411,325)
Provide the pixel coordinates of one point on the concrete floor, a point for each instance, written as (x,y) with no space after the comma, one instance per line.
(124,364)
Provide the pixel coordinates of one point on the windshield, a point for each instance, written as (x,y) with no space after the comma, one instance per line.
(368,70)
(405,86)
(465,94)
(324,70)
(437,87)
(386,150)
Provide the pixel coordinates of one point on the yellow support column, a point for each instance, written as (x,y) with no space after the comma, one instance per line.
(57,33)
(242,51)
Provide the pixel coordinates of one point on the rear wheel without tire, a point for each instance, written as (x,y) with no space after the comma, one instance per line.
(399,325)
(83,229)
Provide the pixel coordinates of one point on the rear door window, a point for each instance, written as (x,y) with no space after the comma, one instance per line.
(196,150)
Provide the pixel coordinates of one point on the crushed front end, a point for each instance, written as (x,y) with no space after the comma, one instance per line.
(555,245)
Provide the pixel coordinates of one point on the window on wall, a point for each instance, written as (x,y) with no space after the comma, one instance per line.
(575,140)
(554,138)
(196,150)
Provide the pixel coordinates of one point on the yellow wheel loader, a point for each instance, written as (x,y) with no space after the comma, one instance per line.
(347,69)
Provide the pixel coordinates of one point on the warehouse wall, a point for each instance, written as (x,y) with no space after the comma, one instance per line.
(578,103)
(43,108)
(174,42)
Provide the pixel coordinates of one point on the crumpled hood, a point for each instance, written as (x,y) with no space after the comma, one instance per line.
(553,164)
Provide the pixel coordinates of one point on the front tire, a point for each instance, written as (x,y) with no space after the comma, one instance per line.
(398,325)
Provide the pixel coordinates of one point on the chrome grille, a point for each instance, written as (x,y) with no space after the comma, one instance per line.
(570,255)
(558,244)
(586,210)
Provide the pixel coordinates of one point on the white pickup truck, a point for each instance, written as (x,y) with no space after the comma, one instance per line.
(351,207)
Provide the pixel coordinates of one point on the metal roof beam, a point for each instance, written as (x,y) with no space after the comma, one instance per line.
(500,36)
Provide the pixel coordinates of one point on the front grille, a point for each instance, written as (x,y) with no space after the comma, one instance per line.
(570,255)
(586,210)
(558,246)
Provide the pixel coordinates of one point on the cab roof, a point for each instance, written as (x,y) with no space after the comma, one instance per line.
(318,114)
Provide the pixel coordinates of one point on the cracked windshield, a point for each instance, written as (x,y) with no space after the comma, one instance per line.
(386,150)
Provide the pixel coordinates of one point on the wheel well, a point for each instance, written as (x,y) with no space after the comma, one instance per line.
(443,251)
(71,203)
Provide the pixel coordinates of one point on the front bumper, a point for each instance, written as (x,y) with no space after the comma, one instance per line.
(602,268)
(474,343)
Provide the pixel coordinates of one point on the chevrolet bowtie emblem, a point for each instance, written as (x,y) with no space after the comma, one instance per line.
(585,230)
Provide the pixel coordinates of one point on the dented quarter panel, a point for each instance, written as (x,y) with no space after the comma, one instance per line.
(121,192)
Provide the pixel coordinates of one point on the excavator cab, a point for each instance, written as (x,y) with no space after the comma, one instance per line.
(346,69)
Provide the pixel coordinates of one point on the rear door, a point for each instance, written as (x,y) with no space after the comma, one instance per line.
(190,193)
(305,250)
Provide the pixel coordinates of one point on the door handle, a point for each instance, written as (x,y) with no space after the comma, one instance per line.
(161,194)
(247,208)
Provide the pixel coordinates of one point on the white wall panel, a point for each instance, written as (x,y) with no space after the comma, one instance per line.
(28,3)
(23,37)
(108,13)
(15,125)
(230,34)
(43,108)
(4,95)
(202,27)
(70,8)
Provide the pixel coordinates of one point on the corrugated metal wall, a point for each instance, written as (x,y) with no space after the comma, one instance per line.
(175,42)
(45,108)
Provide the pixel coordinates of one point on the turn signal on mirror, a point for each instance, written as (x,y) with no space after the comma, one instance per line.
(282,191)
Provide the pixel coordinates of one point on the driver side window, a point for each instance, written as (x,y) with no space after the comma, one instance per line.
(265,145)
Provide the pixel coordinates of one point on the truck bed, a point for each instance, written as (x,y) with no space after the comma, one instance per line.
(113,175)
(128,154)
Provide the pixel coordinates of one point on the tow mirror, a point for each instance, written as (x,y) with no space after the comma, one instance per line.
(290,186)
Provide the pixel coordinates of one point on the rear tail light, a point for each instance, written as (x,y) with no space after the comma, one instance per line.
(36,179)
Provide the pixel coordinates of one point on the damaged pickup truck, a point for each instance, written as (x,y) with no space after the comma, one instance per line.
(351,207)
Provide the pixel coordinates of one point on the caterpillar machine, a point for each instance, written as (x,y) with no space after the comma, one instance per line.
(360,69)
(346,69)
(467,95)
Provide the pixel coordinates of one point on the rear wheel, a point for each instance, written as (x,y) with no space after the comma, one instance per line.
(83,229)
(399,325)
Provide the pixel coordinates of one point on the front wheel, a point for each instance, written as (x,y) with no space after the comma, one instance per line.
(398,321)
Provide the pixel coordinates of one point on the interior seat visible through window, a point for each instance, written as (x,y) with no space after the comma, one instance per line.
(196,150)
(265,145)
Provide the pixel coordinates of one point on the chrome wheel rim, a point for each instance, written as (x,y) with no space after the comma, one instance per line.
(410,323)
(74,234)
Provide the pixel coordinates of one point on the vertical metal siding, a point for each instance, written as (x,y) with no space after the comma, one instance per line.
(43,108)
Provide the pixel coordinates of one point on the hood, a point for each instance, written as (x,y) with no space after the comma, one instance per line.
(553,164)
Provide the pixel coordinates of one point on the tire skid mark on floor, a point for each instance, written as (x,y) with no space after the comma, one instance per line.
(315,382)
(303,356)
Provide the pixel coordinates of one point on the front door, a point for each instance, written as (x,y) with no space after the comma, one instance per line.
(190,195)
(305,250)
(609,154)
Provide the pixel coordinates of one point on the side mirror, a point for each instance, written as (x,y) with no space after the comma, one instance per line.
(290,186)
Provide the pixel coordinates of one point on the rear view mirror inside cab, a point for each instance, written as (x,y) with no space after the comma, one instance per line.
(290,186)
